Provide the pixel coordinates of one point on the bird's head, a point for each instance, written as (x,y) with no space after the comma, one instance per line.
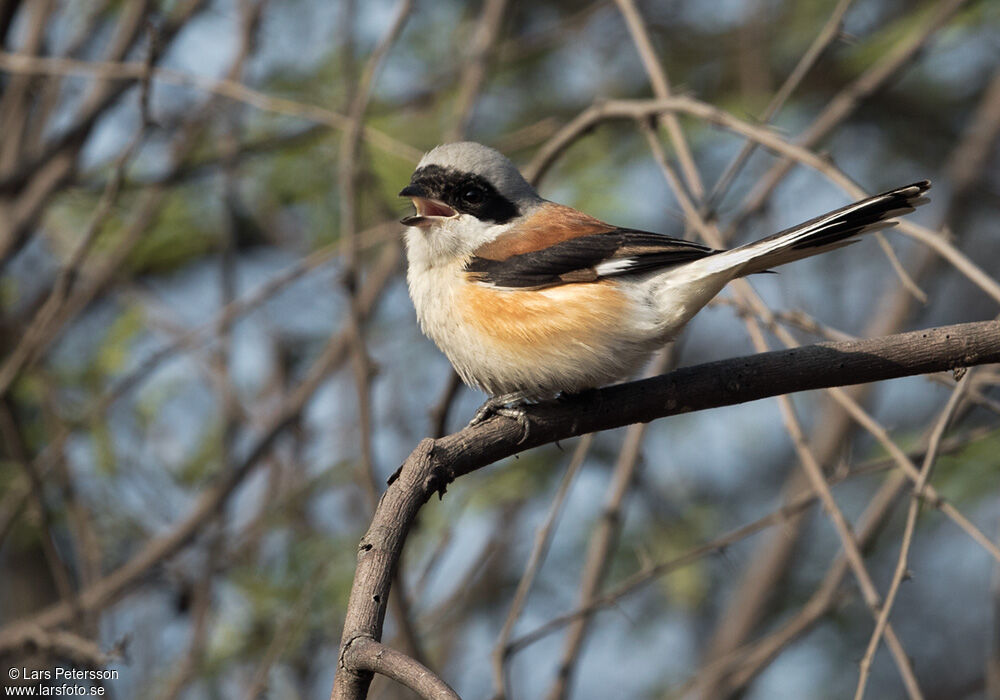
(465,194)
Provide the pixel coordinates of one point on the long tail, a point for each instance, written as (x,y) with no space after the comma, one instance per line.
(833,230)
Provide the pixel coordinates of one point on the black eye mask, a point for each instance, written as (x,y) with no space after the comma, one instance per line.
(463,192)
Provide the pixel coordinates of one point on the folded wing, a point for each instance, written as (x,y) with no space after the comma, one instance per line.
(587,258)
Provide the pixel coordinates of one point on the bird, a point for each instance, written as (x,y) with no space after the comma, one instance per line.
(531,300)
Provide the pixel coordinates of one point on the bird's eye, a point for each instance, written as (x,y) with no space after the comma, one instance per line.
(473,195)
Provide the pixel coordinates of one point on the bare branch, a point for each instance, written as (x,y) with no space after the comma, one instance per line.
(366,654)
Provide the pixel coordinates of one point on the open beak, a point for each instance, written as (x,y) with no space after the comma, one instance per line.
(429,210)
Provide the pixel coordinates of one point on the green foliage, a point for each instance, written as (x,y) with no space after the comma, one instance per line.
(185,229)
(663,541)
(8,292)
(205,457)
(271,597)
(29,394)
(103,447)
(517,479)
(972,474)
(115,348)
(689,585)
(897,30)
(298,179)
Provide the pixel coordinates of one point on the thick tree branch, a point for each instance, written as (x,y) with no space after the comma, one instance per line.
(435,463)
(723,383)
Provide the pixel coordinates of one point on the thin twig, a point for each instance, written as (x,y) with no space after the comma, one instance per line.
(827,35)
(851,549)
(661,88)
(482,47)
(604,540)
(539,549)
(781,516)
(739,666)
(230,89)
(792,425)
(882,624)
(896,59)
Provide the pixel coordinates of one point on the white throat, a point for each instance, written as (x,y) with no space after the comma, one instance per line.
(451,240)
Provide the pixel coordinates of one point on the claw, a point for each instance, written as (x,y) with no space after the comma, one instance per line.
(520,415)
(509,406)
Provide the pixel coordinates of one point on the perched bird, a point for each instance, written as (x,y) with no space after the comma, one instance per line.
(530,299)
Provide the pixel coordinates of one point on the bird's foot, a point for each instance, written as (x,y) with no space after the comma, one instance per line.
(507,405)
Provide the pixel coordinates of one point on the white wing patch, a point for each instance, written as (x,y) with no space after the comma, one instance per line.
(611,267)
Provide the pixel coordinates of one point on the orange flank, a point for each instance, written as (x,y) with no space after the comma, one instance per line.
(544,321)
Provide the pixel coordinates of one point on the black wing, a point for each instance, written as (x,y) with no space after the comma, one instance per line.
(589,258)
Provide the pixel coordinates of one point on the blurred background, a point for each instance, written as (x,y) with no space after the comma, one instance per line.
(210,363)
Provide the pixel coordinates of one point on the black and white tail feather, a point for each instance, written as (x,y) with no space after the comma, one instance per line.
(830,231)
(680,292)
